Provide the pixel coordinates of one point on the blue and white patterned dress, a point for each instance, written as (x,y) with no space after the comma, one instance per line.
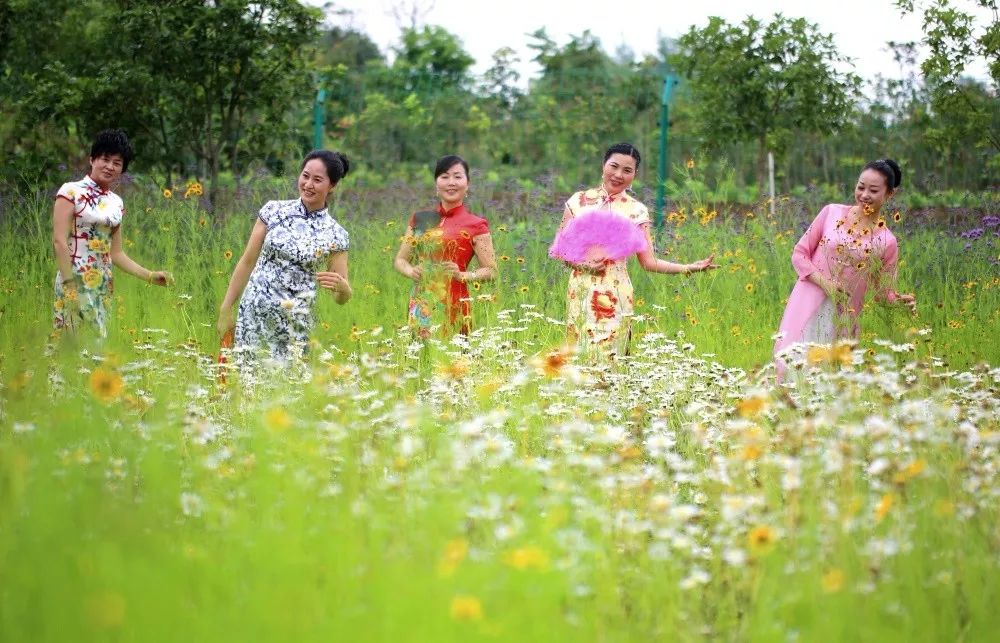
(276,309)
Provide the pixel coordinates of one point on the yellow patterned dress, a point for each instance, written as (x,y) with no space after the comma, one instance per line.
(599,306)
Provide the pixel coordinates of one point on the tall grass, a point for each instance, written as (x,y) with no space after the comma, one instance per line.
(490,494)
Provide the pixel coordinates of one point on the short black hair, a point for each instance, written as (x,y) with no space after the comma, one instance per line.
(623,148)
(445,163)
(887,168)
(110,142)
(337,165)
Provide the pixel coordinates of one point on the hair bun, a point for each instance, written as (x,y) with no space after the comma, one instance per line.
(343,159)
(889,169)
(897,173)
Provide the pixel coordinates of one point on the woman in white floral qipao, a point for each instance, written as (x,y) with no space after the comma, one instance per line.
(87,239)
(294,246)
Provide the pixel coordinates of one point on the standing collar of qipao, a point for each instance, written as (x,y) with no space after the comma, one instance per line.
(312,213)
(621,196)
(458,209)
(601,195)
(91,184)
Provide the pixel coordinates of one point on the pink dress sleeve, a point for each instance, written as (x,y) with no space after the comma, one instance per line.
(806,246)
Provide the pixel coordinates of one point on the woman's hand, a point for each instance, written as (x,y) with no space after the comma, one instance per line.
(704,264)
(832,289)
(161,278)
(909,300)
(450,269)
(71,306)
(416,273)
(226,321)
(592,267)
(334,282)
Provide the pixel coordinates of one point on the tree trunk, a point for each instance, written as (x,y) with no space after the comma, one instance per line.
(762,163)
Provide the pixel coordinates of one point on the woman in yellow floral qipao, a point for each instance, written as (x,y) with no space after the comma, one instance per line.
(86,237)
(600,300)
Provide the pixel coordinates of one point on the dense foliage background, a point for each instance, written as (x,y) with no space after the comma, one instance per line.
(215,91)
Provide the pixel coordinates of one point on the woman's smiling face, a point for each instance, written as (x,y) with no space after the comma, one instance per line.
(618,172)
(871,191)
(314,184)
(452,185)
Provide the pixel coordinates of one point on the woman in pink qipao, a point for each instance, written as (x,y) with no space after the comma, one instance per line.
(846,250)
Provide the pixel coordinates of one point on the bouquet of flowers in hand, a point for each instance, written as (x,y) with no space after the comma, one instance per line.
(428,299)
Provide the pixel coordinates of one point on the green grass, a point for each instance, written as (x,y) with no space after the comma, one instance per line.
(612,503)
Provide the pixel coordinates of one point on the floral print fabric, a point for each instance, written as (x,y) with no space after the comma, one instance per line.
(97,212)
(276,310)
(599,306)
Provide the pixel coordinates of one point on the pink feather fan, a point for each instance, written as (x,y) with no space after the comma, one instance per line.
(598,236)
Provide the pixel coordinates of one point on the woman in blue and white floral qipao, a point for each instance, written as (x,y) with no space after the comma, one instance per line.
(294,246)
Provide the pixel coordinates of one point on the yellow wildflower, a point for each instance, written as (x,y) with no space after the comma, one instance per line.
(277,420)
(466,608)
(761,539)
(105,385)
(884,505)
(751,406)
(832,581)
(455,551)
(552,363)
(455,370)
(525,558)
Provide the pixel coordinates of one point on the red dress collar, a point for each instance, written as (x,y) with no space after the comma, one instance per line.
(452,212)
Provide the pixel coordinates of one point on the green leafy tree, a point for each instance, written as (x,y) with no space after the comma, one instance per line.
(228,71)
(348,47)
(193,82)
(418,107)
(764,82)
(500,80)
(431,58)
(59,85)
(955,41)
(583,101)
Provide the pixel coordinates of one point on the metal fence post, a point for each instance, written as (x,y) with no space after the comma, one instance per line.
(662,168)
(319,118)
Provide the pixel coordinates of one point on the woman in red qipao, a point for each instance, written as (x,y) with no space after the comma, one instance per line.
(436,251)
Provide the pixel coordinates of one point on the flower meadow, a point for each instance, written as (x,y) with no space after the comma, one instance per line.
(500,487)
